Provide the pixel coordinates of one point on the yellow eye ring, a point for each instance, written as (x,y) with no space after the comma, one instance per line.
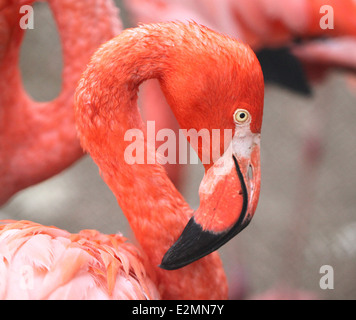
(241,116)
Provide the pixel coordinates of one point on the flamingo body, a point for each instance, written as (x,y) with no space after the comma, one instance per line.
(40,262)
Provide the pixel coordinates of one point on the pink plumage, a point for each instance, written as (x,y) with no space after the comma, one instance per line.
(40,262)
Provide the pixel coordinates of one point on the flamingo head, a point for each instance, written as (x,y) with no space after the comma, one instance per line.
(221,89)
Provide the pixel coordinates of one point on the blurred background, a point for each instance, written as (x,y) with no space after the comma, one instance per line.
(306,214)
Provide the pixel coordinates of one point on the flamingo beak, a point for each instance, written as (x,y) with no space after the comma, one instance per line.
(229,194)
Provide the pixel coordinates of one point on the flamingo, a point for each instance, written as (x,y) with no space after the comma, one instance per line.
(260,23)
(43,141)
(267,24)
(176,243)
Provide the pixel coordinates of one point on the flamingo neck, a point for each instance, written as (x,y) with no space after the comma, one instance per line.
(32,130)
(106,108)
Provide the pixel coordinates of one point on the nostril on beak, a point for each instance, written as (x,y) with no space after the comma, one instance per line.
(250,172)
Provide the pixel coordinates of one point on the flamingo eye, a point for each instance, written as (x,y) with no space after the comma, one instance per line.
(241,116)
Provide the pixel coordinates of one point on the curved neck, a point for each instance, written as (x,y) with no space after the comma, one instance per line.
(106,108)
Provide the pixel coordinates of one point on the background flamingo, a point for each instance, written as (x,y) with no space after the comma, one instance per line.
(43,141)
(268,24)
(154,208)
(73,199)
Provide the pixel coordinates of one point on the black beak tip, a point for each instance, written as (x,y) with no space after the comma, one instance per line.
(168,262)
(167,266)
(193,244)
(185,249)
